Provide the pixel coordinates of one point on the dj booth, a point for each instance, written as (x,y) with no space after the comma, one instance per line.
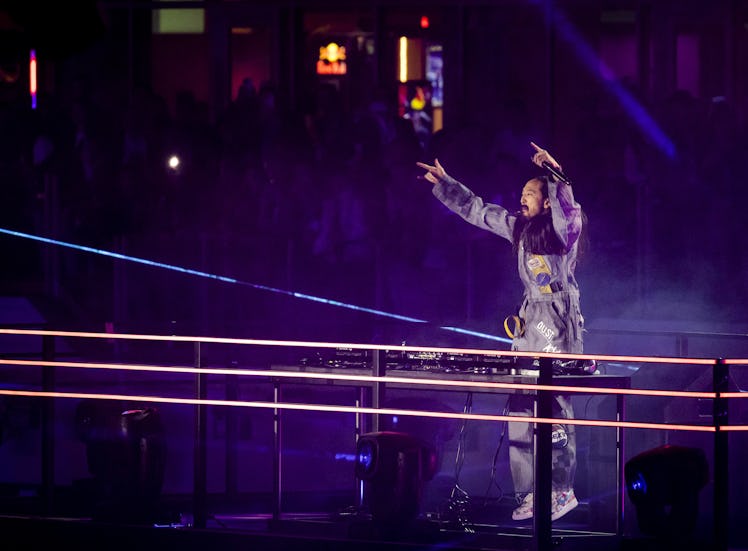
(377,374)
(295,386)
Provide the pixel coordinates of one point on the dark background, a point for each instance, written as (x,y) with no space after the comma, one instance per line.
(295,183)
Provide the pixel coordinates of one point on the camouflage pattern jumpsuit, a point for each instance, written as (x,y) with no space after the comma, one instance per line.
(550,311)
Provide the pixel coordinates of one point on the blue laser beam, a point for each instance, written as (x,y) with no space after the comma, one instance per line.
(117,255)
(476,334)
(295,294)
(593,62)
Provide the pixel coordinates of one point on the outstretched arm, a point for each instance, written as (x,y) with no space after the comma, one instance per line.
(462,201)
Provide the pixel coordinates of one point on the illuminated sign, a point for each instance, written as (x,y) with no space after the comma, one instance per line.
(331,60)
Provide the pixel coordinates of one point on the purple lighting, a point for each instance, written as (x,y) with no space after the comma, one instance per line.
(225,279)
(597,67)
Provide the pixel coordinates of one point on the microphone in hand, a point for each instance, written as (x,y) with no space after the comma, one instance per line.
(556,172)
(541,157)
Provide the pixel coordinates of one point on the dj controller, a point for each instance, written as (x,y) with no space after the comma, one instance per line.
(435,362)
(443,362)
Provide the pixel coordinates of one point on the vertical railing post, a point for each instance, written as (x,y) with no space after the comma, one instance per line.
(620,459)
(542,529)
(378,367)
(721,460)
(232,435)
(201,418)
(48,426)
(277,449)
(369,396)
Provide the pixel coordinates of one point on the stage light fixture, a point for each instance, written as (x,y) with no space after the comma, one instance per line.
(125,452)
(394,468)
(664,484)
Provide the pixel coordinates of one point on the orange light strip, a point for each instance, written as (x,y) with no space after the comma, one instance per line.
(356,346)
(264,342)
(353,409)
(403,59)
(32,78)
(733,428)
(363,378)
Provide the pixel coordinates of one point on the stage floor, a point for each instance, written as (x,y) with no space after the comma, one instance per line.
(230,526)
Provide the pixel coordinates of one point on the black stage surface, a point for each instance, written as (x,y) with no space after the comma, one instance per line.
(348,529)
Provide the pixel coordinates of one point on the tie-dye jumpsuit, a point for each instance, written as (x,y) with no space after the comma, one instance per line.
(550,313)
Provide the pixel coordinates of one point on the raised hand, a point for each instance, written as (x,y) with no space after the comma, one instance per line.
(434,172)
(541,156)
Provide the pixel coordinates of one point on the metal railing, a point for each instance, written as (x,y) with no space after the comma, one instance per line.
(377,380)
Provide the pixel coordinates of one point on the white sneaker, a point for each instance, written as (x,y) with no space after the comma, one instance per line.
(562,502)
(524,511)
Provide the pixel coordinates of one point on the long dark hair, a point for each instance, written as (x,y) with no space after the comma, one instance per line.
(537,233)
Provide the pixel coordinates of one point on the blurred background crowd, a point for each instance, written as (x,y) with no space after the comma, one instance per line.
(321,196)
